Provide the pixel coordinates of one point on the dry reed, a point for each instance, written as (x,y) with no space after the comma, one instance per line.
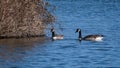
(23,18)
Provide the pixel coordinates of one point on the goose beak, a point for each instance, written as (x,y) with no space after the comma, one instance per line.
(75,31)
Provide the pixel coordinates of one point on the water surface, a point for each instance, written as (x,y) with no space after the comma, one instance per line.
(92,16)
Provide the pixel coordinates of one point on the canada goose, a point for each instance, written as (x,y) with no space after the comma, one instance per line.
(95,37)
(55,36)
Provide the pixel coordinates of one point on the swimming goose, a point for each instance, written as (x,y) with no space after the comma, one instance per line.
(55,36)
(95,37)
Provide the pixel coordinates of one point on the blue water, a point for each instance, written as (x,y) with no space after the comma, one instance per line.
(92,16)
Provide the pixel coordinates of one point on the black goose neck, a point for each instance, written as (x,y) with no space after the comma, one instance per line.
(80,35)
(53,34)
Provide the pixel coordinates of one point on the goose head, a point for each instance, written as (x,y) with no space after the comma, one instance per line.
(80,35)
(77,30)
(52,30)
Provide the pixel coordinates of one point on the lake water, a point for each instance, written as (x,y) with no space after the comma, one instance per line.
(92,16)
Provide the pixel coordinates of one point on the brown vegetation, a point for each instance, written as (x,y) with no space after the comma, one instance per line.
(23,18)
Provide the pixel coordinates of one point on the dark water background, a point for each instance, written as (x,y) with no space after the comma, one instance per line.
(92,16)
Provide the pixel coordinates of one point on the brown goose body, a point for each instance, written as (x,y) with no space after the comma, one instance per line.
(94,37)
(56,36)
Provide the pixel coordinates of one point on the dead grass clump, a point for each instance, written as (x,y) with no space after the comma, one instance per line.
(22,18)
